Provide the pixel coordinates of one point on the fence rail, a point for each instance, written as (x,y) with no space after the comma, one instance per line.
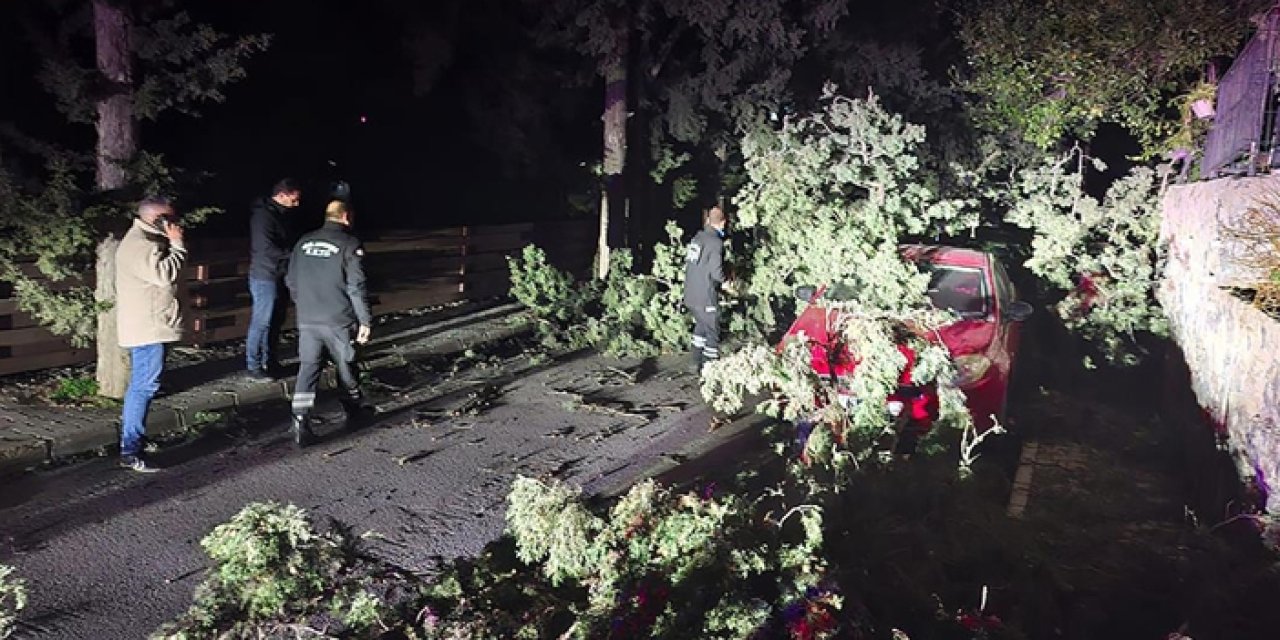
(405,270)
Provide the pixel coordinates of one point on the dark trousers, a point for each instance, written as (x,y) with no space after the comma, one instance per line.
(313,344)
(706,334)
(262,342)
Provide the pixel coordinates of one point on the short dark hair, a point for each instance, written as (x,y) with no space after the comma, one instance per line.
(151,203)
(155,201)
(286,185)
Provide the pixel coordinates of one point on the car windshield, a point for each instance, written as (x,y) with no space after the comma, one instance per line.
(958,289)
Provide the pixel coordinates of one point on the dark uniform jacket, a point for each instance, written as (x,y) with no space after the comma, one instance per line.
(326,278)
(703,270)
(269,244)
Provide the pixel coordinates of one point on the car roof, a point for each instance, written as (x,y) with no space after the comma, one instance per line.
(947,256)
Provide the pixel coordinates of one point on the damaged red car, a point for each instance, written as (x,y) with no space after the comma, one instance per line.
(983,340)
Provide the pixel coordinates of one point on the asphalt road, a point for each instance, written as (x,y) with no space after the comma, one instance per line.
(112,554)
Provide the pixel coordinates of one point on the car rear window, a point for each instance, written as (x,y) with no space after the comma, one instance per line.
(959,289)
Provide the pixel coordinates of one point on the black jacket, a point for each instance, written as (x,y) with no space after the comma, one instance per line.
(703,270)
(326,278)
(269,242)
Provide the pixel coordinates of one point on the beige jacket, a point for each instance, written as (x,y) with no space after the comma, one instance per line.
(148,268)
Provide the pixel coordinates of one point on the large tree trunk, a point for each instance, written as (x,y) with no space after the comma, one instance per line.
(113,362)
(117,144)
(612,227)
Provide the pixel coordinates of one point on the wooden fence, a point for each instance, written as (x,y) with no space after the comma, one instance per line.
(406,270)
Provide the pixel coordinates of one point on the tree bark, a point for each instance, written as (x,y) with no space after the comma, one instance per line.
(113,362)
(116,126)
(117,145)
(615,154)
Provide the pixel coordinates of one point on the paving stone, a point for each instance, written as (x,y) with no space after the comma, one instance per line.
(20,451)
(63,431)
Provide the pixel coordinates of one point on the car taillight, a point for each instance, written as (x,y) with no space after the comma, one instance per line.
(971,368)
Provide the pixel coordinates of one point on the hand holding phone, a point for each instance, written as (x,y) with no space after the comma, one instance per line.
(171,230)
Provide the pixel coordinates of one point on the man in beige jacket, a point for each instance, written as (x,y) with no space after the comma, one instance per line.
(149,262)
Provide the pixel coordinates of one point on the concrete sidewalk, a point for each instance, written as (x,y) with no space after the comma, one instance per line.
(31,435)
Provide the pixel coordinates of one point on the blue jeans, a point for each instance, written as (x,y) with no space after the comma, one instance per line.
(264,325)
(146,363)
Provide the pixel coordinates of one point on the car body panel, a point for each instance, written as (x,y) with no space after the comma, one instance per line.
(971,282)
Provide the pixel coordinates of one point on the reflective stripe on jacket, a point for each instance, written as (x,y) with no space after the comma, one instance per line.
(703,270)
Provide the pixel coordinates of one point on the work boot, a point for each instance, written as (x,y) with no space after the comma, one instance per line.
(300,428)
(357,412)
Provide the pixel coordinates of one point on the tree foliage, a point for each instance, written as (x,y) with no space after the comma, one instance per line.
(1053,69)
(49,215)
(829,200)
(903,53)
(643,314)
(708,70)
(49,226)
(550,294)
(42,225)
(13,599)
(1103,253)
(830,197)
(270,565)
(629,314)
(180,65)
(266,557)
(656,564)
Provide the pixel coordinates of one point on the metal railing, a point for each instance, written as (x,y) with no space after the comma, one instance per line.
(1242,140)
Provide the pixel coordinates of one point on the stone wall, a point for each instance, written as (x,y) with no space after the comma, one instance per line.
(1231,348)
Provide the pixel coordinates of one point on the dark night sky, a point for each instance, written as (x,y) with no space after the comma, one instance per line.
(426,160)
(415,162)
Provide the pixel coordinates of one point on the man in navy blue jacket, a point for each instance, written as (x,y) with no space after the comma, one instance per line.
(270,244)
(703,275)
(326,278)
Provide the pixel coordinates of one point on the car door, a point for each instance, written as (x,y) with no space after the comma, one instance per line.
(1008,332)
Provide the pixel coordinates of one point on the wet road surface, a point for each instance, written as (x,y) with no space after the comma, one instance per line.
(107,553)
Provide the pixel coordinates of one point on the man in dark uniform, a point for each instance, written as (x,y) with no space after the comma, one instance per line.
(269,246)
(327,281)
(703,275)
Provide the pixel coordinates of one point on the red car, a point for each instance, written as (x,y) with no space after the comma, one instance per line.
(983,341)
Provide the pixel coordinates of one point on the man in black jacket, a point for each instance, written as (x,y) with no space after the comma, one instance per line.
(703,275)
(326,279)
(269,246)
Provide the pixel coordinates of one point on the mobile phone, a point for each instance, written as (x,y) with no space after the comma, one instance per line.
(162,224)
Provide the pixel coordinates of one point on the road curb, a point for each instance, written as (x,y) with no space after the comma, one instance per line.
(1020,496)
(23,447)
(19,451)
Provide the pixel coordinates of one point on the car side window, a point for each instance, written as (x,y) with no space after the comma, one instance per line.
(958,289)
